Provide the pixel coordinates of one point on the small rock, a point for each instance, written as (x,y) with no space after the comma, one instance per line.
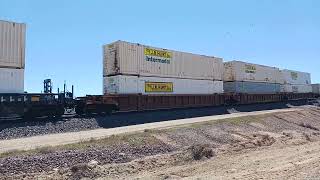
(93,163)
(55,169)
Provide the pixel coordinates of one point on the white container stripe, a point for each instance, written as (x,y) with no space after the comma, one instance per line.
(123,58)
(122,84)
(11,80)
(242,71)
(12,44)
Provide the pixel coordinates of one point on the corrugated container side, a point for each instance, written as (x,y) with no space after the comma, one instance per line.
(287,88)
(109,57)
(251,87)
(242,71)
(11,80)
(128,56)
(295,77)
(316,88)
(136,59)
(12,44)
(122,84)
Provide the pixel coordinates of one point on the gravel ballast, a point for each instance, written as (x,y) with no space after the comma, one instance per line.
(10,130)
(65,159)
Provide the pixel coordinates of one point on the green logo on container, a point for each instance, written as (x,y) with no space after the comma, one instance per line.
(250,69)
(294,75)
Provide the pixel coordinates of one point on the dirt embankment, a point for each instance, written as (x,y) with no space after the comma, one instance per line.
(280,145)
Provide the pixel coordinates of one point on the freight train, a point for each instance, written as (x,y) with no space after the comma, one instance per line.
(138,77)
(13,106)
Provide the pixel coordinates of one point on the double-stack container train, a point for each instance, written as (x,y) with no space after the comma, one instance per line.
(137,77)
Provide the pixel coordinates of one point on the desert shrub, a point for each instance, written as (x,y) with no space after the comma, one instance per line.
(200,151)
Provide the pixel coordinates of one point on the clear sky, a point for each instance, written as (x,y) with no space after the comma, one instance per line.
(65,37)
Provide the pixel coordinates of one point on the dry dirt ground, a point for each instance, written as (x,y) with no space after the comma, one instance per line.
(273,146)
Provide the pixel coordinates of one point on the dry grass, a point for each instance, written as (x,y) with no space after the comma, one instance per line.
(135,139)
(11,153)
(309,126)
(235,121)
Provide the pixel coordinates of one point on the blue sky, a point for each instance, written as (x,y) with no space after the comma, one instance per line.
(65,38)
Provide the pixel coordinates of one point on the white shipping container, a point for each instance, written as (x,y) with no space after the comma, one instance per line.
(12,44)
(288,88)
(122,84)
(295,77)
(123,58)
(11,80)
(316,88)
(242,71)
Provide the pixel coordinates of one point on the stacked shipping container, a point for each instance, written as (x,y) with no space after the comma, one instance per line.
(242,77)
(296,82)
(251,87)
(11,80)
(139,69)
(12,57)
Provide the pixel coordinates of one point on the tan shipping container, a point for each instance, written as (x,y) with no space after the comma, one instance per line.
(295,77)
(12,44)
(243,71)
(123,58)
